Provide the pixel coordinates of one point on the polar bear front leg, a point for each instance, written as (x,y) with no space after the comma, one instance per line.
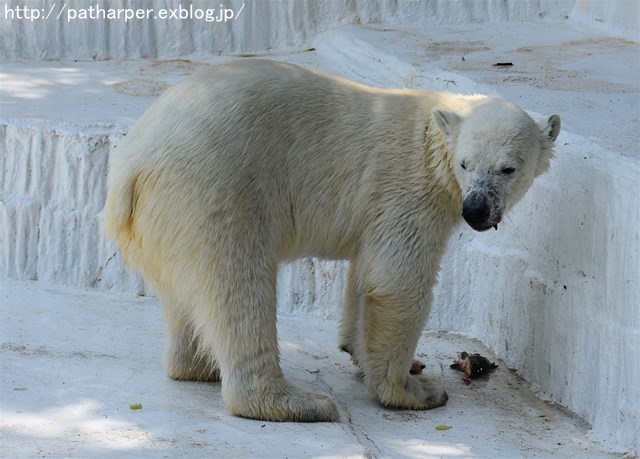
(351,323)
(392,327)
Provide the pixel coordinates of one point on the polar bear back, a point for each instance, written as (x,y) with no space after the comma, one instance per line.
(291,146)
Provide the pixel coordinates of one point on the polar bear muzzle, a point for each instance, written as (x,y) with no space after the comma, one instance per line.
(477,213)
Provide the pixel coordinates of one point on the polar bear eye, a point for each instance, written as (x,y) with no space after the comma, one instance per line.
(463,165)
(508,170)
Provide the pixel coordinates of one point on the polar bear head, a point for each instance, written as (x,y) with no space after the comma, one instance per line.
(497,151)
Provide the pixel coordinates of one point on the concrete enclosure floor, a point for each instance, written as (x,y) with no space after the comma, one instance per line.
(73,361)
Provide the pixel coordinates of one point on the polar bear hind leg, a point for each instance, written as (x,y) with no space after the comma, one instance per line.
(236,311)
(350,325)
(184,358)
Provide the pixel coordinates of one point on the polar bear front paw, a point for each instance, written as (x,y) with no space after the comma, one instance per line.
(415,393)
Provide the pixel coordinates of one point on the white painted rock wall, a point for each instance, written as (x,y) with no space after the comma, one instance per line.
(555,292)
(52,195)
(259,26)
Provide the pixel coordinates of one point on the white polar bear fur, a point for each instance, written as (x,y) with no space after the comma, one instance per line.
(251,163)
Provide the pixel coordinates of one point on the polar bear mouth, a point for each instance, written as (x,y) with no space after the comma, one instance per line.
(484,226)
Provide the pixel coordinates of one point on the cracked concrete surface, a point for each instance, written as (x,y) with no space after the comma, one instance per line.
(72,362)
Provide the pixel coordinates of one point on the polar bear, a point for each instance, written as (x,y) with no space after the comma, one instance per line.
(252,163)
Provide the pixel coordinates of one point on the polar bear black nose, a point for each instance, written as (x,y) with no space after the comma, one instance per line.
(475,209)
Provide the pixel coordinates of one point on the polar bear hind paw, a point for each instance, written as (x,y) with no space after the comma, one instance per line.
(292,405)
(194,374)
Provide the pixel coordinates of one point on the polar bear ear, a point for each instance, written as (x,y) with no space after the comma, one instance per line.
(447,122)
(550,127)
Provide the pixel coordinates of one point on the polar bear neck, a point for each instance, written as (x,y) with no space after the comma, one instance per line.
(442,183)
